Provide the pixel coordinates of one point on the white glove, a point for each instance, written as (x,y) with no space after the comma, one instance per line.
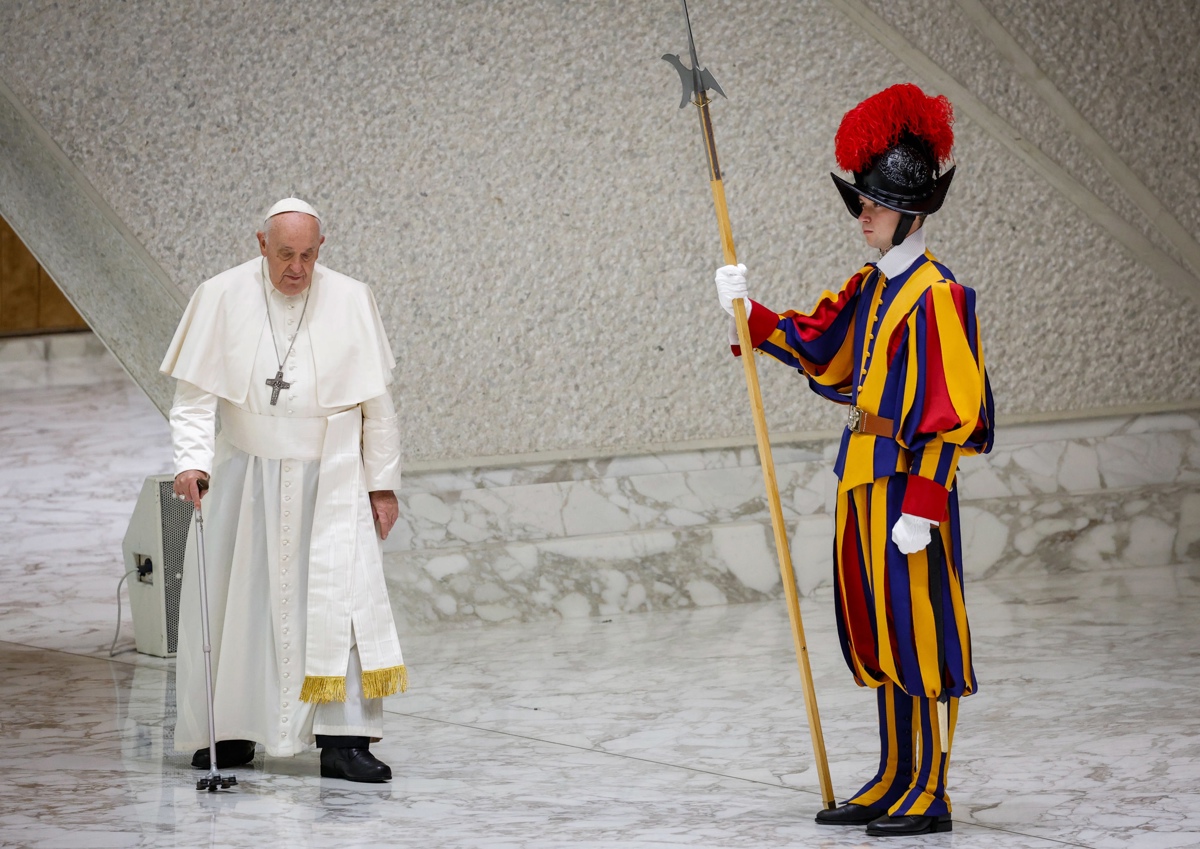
(911,533)
(731,284)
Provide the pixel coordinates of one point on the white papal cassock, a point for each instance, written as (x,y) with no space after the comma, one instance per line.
(297,600)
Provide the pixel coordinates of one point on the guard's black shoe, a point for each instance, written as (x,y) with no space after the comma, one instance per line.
(909,825)
(230,753)
(353,764)
(850,814)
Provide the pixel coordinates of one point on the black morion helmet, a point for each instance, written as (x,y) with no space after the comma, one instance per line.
(895,143)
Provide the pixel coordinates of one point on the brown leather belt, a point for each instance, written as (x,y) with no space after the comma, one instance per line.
(860,421)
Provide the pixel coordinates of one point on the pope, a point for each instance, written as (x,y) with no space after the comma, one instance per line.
(292,358)
(899,345)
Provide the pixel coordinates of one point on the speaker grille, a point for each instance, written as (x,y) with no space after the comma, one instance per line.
(176,519)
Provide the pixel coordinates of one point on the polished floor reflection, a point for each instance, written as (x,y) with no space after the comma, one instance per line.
(668,729)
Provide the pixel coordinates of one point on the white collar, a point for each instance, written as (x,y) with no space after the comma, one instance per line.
(896,261)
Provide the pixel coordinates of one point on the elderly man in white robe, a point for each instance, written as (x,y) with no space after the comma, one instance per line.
(293,360)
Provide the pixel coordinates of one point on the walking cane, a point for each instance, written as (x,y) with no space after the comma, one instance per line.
(214,780)
(697,82)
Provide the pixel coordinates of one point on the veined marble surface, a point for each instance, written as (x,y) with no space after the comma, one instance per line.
(666,729)
(691,528)
(56,360)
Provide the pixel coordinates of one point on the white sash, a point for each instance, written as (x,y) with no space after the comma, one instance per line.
(347,594)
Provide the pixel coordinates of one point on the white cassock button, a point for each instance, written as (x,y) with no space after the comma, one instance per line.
(285,704)
(285,719)
(285,630)
(287,468)
(286,646)
(287,660)
(287,497)
(285,557)
(287,483)
(283,617)
(286,690)
(287,527)
(291,306)
(287,675)
(287,513)
(282,735)
(285,586)
(287,542)
(291,321)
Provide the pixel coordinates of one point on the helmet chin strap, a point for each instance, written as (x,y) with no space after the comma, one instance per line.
(902,228)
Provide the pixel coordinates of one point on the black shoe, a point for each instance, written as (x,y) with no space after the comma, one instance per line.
(850,814)
(353,764)
(905,826)
(230,753)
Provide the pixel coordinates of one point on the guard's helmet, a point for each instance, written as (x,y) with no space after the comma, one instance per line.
(895,143)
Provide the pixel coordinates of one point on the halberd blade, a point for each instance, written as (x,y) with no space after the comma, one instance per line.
(696,80)
(693,82)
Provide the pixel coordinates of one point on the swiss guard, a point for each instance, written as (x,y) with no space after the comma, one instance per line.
(898,345)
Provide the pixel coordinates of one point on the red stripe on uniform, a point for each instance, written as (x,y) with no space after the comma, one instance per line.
(960,303)
(812,326)
(937,411)
(858,613)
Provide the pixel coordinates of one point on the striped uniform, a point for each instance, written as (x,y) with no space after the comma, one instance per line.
(907,349)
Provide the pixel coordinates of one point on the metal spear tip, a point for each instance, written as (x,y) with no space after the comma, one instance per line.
(694,82)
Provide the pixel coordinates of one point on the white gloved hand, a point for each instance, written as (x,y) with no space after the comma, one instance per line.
(911,533)
(731,284)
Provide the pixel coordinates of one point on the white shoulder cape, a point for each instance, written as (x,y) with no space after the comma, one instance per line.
(215,344)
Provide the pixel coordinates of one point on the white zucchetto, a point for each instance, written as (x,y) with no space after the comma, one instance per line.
(292,205)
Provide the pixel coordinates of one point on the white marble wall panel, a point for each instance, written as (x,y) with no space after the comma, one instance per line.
(684,529)
(59,359)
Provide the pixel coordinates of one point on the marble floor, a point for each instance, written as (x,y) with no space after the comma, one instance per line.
(671,729)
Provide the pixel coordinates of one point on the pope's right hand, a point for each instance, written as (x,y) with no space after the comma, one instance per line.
(731,285)
(187,486)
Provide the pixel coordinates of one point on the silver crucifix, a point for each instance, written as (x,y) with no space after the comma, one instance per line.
(277,383)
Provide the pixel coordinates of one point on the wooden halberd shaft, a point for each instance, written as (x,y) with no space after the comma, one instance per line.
(787,574)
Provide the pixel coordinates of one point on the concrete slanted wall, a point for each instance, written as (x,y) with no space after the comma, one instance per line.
(684,529)
(519,186)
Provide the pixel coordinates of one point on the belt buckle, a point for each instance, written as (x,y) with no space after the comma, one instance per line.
(855,420)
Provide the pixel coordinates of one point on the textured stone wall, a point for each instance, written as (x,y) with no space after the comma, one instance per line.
(691,528)
(517,182)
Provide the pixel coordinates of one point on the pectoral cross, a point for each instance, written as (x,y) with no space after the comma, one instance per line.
(277,383)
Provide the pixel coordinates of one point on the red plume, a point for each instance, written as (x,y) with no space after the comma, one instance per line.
(877,123)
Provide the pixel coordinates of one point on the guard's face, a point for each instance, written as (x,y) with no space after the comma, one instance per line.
(878,224)
(291,244)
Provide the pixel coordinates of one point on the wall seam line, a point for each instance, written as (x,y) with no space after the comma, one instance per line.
(1083,130)
(1166,268)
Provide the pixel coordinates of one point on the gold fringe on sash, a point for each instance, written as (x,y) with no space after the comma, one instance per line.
(383,682)
(320,689)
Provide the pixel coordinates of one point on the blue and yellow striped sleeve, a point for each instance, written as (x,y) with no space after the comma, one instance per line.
(819,343)
(945,406)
